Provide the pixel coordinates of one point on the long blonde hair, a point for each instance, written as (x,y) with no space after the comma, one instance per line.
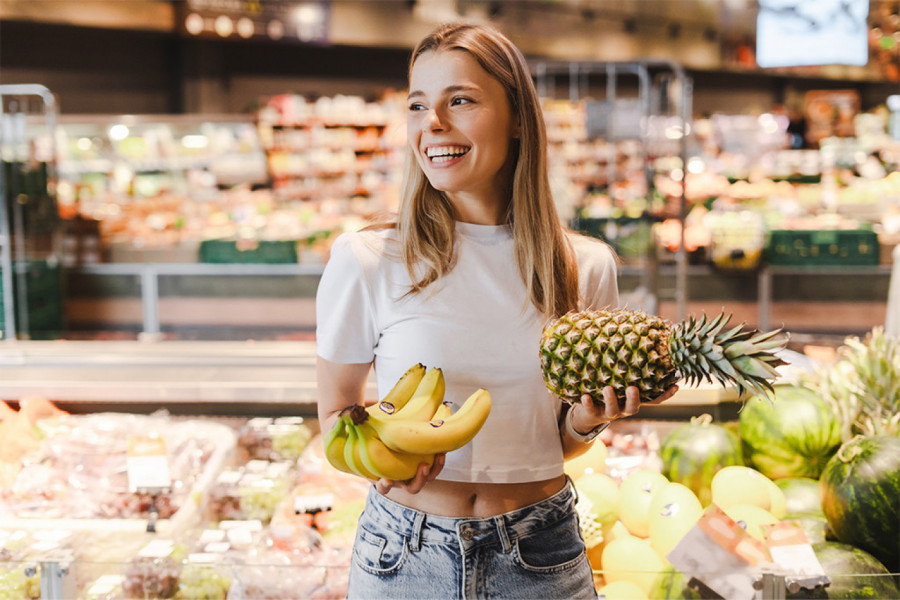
(426,223)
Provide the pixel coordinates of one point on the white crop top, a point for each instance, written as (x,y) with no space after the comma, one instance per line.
(473,323)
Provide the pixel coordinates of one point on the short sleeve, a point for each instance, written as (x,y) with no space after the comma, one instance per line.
(597,273)
(345,322)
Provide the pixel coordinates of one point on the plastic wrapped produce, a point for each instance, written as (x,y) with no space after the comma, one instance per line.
(280,439)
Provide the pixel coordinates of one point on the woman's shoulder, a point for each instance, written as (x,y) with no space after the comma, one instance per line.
(590,251)
(366,245)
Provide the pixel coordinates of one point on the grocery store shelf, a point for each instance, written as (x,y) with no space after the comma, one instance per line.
(182,377)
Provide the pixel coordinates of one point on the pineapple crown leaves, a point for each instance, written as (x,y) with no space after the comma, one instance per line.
(701,351)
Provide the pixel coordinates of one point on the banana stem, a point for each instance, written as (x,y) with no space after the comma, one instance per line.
(357,414)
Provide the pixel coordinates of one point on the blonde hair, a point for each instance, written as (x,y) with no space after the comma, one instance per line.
(426,223)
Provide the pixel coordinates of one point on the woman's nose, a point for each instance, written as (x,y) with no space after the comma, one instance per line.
(434,121)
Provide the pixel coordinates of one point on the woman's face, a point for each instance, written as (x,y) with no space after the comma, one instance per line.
(460,126)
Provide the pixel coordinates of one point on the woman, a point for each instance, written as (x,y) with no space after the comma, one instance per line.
(475,264)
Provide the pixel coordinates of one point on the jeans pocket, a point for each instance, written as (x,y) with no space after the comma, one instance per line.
(557,547)
(379,554)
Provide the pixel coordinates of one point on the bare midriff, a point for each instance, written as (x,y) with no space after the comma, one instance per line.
(481,500)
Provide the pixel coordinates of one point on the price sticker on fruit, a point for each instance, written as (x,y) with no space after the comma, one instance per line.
(147,464)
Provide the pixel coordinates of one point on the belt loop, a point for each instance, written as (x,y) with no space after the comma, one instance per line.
(504,535)
(415,541)
(572,486)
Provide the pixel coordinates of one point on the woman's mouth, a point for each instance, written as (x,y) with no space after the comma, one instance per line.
(443,154)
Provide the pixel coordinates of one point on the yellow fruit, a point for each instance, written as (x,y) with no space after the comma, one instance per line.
(621,590)
(592,461)
(603,493)
(635,494)
(777,500)
(674,509)
(740,485)
(751,518)
(630,558)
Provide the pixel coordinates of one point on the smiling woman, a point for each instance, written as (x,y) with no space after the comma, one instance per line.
(464,279)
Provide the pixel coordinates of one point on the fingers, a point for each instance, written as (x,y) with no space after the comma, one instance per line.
(425,474)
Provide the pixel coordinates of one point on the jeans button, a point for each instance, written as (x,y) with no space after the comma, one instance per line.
(468,534)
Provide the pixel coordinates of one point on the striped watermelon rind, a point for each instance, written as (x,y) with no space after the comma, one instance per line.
(860,489)
(694,452)
(794,436)
(854,573)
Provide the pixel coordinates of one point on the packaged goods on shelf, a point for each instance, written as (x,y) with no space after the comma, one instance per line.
(281,438)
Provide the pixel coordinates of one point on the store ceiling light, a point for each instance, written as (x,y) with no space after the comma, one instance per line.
(308,14)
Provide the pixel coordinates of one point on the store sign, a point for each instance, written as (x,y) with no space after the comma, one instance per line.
(306,22)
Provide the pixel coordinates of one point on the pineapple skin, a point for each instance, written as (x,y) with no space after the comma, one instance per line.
(584,351)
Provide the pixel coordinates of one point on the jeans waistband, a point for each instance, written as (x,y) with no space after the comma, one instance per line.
(470,531)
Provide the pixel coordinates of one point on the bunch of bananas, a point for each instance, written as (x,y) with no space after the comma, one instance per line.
(391,438)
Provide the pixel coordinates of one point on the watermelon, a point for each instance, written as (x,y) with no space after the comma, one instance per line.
(693,452)
(672,585)
(860,489)
(813,525)
(854,573)
(801,494)
(794,436)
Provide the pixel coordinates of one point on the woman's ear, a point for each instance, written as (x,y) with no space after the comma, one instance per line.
(516,130)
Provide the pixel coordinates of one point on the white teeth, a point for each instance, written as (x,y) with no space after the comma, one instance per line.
(445,153)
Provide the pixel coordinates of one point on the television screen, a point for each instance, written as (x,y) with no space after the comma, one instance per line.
(794,33)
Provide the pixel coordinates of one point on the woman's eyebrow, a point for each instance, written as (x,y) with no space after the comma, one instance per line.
(463,87)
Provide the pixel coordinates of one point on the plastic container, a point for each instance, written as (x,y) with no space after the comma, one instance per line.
(827,247)
(250,252)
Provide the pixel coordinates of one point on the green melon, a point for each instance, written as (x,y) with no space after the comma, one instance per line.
(860,489)
(801,494)
(692,453)
(854,573)
(813,525)
(794,436)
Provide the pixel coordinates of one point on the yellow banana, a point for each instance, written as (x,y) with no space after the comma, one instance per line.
(351,454)
(436,435)
(428,397)
(384,462)
(443,411)
(334,441)
(400,394)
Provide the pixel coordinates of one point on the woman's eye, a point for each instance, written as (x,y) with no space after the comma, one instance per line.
(458,101)
(415,107)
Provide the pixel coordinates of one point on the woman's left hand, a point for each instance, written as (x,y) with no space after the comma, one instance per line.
(593,413)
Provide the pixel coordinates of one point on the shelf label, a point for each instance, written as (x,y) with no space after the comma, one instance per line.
(147,465)
(720,554)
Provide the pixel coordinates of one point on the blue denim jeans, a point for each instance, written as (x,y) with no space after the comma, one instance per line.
(533,552)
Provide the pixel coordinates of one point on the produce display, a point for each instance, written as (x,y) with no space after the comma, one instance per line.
(265,523)
(860,488)
(408,427)
(792,436)
(693,453)
(584,351)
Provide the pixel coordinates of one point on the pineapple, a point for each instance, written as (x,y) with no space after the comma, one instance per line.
(583,352)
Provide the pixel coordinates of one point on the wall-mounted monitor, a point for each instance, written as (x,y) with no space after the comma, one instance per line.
(794,33)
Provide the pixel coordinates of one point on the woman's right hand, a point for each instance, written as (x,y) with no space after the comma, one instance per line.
(425,474)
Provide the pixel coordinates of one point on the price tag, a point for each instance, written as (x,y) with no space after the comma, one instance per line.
(791,550)
(147,465)
(157,549)
(720,554)
(106,584)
